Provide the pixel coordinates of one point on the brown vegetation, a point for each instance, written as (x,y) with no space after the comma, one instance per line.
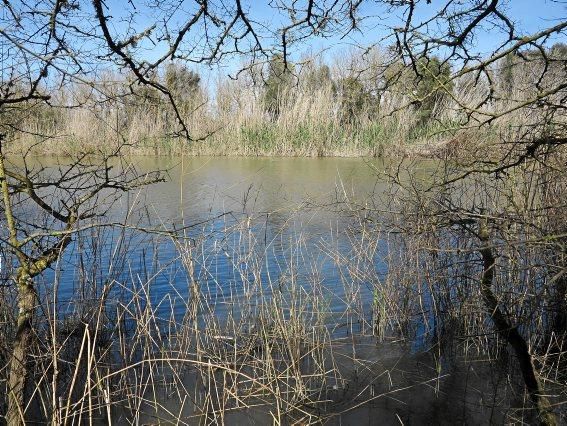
(476,251)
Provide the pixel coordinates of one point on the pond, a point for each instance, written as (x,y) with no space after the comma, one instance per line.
(245,222)
(275,265)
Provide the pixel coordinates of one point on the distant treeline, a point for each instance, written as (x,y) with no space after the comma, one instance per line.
(360,104)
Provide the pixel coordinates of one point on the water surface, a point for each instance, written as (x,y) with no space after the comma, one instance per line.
(248,221)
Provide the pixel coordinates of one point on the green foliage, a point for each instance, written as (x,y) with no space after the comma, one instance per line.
(262,138)
(317,77)
(302,136)
(278,81)
(354,99)
(433,85)
(506,75)
(428,87)
(183,83)
(370,136)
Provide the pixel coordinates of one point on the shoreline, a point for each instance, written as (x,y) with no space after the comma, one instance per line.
(446,148)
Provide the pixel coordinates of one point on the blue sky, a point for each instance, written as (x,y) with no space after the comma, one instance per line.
(529,16)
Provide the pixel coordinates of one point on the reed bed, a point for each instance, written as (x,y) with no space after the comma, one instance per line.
(347,110)
(239,321)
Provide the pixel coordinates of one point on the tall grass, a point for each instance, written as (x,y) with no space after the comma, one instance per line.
(231,117)
(242,321)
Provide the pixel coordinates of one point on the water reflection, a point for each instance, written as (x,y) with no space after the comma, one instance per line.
(247,223)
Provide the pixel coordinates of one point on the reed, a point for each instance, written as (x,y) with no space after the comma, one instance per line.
(234,320)
(348,110)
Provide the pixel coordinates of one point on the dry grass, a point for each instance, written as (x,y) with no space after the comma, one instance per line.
(311,119)
(235,322)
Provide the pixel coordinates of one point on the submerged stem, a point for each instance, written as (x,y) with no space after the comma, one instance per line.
(510,332)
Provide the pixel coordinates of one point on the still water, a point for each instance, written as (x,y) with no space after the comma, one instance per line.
(251,229)
(243,222)
(270,226)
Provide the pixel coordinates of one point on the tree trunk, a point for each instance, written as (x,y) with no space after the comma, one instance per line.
(19,361)
(511,333)
(559,308)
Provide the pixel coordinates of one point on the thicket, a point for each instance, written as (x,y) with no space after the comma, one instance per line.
(359,105)
(465,262)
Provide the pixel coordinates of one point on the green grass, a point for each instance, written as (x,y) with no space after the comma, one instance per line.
(270,138)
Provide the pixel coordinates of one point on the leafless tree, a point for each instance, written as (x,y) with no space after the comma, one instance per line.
(48,45)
